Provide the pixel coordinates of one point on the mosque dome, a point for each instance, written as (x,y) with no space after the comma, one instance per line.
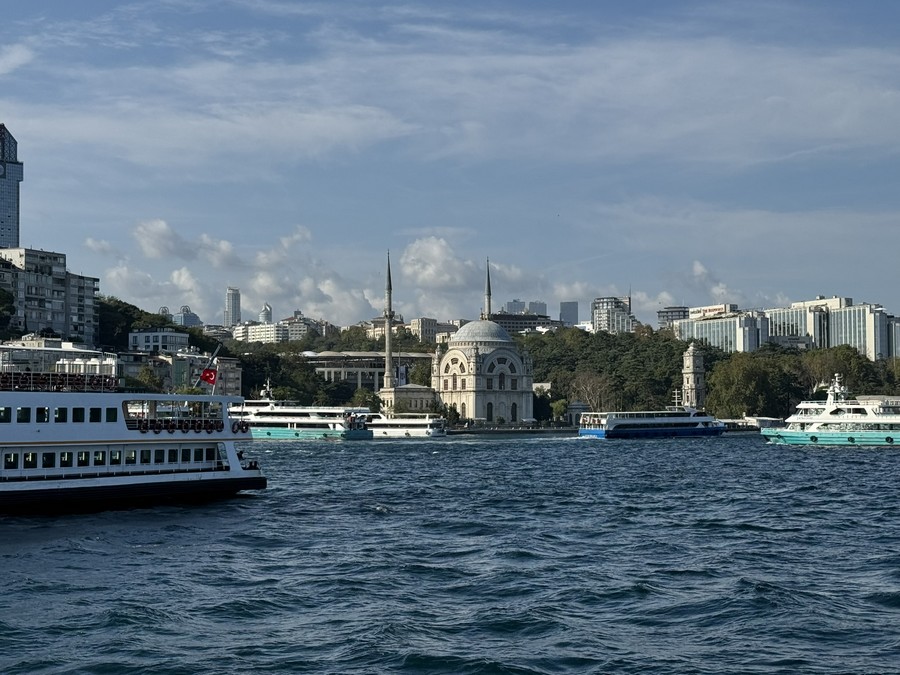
(481,332)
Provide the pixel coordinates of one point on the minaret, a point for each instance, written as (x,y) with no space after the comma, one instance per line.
(487,293)
(388,325)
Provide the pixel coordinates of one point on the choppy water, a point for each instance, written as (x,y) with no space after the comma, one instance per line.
(473,556)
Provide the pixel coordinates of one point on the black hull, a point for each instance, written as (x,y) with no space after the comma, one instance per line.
(86,499)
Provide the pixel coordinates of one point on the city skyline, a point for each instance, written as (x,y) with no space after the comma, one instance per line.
(689,155)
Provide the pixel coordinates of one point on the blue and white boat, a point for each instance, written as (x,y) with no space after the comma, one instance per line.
(841,419)
(675,420)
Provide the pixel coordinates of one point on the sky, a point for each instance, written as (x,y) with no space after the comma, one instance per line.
(685,153)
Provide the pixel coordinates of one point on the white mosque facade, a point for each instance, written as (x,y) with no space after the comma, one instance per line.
(483,375)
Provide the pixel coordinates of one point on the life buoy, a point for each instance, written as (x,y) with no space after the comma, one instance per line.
(889,440)
(235,427)
(157,426)
(198,426)
(220,425)
(813,439)
(210,426)
(185,426)
(850,439)
(95,382)
(170,426)
(245,426)
(143,426)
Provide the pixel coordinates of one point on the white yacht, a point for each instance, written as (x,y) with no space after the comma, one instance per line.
(841,419)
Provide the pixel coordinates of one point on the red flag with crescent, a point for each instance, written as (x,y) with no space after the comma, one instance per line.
(208,375)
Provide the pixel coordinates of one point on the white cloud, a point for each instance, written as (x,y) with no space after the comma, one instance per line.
(13,57)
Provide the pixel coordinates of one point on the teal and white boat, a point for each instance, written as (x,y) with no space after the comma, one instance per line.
(841,419)
(275,420)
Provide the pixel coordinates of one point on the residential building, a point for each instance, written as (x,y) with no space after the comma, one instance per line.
(164,340)
(185,317)
(50,297)
(866,327)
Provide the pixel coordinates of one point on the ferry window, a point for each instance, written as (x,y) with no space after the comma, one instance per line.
(112,415)
(198,454)
(145,456)
(11,460)
(48,460)
(42,415)
(115,456)
(84,458)
(159,456)
(61,415)
(5,415)
(95,414)
(78,415)
(130,456)
(185,455)
(173,455)
(99,457)
(29,460)
(23,415)
(65,459)
(210,454)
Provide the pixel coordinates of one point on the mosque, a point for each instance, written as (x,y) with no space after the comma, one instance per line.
(482,374)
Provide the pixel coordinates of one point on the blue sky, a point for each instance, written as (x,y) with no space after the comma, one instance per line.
(692,152)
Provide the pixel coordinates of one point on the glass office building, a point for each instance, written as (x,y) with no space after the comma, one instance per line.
(10,177)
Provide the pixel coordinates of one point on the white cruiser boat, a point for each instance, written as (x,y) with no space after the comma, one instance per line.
(70,441)
(840,419)
(676,420)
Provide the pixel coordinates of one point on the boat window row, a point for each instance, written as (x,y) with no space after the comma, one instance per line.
(65,459)
(57,415)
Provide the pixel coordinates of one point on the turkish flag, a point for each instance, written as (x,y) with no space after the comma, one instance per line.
(208,375)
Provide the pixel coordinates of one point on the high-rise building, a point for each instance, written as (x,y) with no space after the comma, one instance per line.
(515,307)
(568,313)
(612,315)
(537,307)
(265,314)
(232,307)
(10,177)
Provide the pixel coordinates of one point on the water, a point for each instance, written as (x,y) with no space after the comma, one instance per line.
(479,556)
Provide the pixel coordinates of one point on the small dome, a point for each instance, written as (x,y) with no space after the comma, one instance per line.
(481,331)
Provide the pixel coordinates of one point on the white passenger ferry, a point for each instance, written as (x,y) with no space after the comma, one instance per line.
(71,441)
(406,425)
(274,420)
(841,419)
(676,420)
